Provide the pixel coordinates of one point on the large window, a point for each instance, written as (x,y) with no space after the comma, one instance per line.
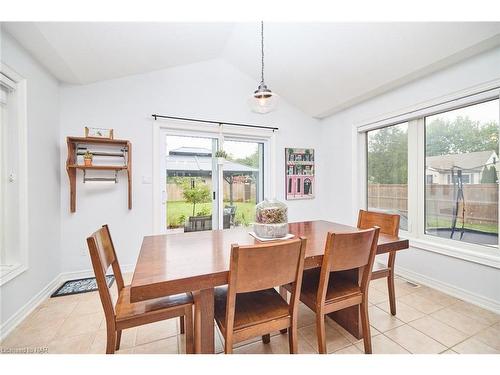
(387,171)
(440,171)
(13,181)
(461,155)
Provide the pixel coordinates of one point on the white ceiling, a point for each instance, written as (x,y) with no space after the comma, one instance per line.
(85,52)
(321,68)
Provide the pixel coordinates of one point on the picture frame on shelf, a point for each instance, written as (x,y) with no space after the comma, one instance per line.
(91,132)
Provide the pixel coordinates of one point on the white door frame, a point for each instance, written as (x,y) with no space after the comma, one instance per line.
(174,127)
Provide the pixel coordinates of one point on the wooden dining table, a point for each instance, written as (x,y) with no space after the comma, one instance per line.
(198,262)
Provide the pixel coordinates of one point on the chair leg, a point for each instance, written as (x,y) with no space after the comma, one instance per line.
(292,340)
(118,339)
(365,324)
(228,345)
(390,282)
(266,339)
(183,326)
(187,324)
(110,341)
(320,332)
(284,295)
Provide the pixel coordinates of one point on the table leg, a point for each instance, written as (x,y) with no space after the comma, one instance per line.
(349,319)
(204,321)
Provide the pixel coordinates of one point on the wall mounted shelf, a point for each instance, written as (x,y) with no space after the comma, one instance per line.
(77,147)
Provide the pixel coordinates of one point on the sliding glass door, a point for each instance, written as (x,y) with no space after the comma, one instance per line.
(243,180)
(191,183)
(202,192)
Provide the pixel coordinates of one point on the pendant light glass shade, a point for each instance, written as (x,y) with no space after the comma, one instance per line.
(263,99)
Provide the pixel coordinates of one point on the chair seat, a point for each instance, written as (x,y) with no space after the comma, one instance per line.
(251,308)
(125,310)
(338,288)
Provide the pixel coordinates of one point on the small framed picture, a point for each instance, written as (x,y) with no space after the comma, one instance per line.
(98,133)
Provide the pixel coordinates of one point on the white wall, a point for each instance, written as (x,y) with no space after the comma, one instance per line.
(208,90)
(43,180)
(482,282)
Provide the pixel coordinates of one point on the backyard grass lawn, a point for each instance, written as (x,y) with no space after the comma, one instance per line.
(440,222)
(178,211)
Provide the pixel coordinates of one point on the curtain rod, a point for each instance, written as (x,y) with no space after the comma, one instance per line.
(155,116)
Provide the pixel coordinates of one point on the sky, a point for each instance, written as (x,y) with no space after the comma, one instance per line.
(484,112)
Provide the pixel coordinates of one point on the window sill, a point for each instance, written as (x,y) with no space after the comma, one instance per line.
(484,255)
(10,272)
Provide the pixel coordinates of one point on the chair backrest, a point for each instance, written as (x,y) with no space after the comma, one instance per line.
(388,223)
(348,251)
(263,266)
(103,255)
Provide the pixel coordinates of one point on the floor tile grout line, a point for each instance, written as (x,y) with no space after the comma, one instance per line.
(476,320)
(397,343)
(448,347)
(466,316)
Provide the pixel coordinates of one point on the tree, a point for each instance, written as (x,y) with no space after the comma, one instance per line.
(489,175)
(194,190)
(388,156)
(388,147)
(250,160)
(460,136)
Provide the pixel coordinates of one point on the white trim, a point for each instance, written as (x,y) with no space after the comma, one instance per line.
(6,81)
(10,324)
(465,295)
(455,249)
(12,272)
(359,161)
(448,102)
(22,173)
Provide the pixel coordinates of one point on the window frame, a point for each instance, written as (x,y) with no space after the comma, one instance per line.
(221,132)
(20,257)
(415,116)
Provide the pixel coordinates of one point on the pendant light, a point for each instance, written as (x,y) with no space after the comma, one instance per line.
(263,99)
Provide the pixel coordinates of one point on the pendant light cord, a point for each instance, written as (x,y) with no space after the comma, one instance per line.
(262,50)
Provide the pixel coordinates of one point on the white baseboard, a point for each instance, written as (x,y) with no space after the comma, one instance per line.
(465,295)
(73,275)
(11,323)
(28,308)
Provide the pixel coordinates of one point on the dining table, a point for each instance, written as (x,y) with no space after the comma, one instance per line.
(198,262)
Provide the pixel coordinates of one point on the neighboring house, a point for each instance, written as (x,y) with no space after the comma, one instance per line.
(438,169)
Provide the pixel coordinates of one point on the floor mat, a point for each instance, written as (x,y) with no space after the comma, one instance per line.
(88,284)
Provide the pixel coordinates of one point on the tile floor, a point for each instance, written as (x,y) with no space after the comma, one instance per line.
(428,321)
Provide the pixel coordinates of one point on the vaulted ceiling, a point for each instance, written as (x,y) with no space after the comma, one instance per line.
(321,68)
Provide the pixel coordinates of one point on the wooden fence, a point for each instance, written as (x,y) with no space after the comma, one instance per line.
(242,192)
(481,201)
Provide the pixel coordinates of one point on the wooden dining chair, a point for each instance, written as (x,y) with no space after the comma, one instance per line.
(325,291)
(389,224)
(125,314)
(250,306)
